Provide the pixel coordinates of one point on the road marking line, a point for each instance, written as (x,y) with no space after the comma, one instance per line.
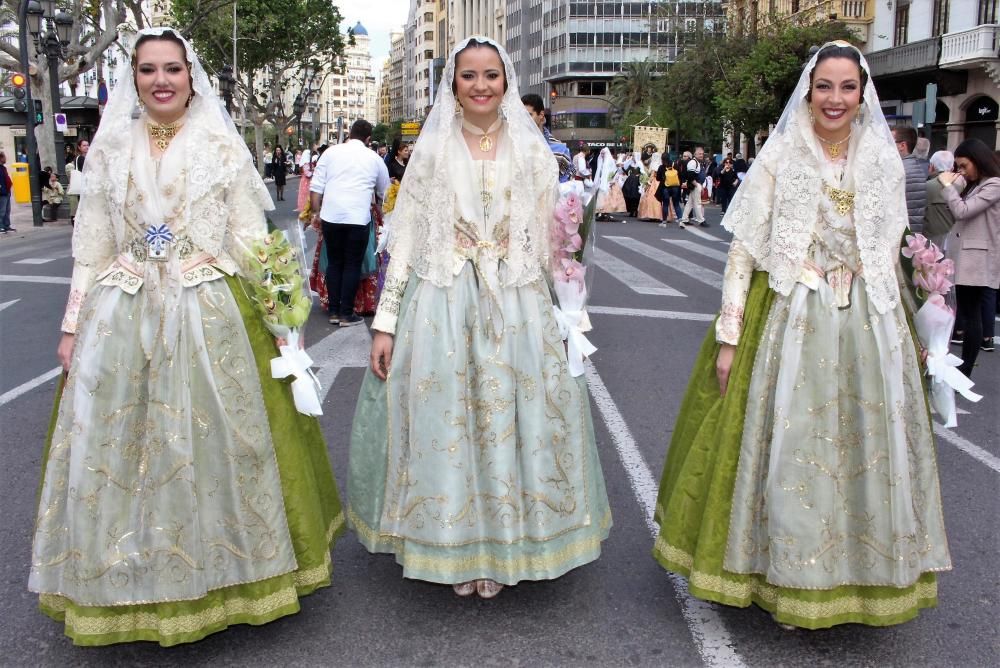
(10,395)
(686,267)
(710,635)
(634,279)
(968,447)
(10,303)
(704,235)
(345,347)
(700,249)
(35,260)
(9,278)
(651,313)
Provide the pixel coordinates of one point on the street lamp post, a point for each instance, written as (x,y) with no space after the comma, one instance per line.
(227,84)
(52,44)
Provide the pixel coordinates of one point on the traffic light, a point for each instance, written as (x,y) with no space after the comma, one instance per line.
(18,81)
(39,116)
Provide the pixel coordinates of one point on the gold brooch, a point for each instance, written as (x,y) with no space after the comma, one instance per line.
(163,134)
(843,200)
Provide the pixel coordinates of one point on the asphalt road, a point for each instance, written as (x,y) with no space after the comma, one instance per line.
(653,296)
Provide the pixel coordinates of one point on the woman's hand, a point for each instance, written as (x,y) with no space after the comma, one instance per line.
(381,357)
(723,363)
(947,178)
(65,350)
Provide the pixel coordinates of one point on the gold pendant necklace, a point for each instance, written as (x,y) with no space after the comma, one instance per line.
(834,146)
(485,141)
(163,134)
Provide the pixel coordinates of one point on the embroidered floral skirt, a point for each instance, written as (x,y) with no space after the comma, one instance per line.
(829,514)
(180,494)
(476,458)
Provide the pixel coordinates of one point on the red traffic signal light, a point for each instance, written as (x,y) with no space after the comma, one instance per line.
(18,80)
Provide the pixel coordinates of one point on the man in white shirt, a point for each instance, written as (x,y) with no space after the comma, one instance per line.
(694,178)
(345,178)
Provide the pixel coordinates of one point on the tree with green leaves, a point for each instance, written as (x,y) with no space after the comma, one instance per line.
(753,89)
(93,33)
(287,46)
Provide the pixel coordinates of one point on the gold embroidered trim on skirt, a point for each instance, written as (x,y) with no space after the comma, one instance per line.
(85,625)
(446,565)
(909,599)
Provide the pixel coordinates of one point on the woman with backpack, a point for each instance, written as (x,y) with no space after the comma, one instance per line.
(670,189)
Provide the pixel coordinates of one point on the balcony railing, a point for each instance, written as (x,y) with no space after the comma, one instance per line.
(915,56)
(967,47)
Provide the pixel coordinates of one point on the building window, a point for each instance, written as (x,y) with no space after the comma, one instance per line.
(901,28)
(939,20)
(987,11)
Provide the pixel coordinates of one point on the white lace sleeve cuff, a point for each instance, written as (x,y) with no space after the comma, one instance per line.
(388,304)
(735,286)
(80,284)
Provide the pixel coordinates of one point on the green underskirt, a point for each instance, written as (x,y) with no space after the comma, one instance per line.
(313,510)
(696,497)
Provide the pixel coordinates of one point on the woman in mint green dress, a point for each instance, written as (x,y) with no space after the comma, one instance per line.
(181,490)
(473,458)
(802,473)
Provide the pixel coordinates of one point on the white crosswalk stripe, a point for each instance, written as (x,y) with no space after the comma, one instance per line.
(675,262)
(636,280)
(700,249)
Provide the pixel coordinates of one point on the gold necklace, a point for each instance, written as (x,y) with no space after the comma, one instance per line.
(485,141)
(834,146)
(163,134)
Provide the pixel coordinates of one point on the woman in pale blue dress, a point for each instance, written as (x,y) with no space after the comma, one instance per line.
(472,452)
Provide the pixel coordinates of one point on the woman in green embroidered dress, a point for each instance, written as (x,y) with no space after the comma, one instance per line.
(802,474)
(472,453)
(181,490)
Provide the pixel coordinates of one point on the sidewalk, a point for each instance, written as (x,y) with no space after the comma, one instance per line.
(20,218)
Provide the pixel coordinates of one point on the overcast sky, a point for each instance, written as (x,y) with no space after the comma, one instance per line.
(378,17)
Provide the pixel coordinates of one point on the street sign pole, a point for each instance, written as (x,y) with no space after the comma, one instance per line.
(34,166)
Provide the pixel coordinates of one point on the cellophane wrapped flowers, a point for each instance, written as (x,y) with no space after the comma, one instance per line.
(932,280)
(572,225)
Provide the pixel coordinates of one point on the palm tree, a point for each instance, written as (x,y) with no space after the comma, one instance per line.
(633,87)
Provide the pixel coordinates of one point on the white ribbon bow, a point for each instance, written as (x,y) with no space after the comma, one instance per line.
(295,361)
(578,345)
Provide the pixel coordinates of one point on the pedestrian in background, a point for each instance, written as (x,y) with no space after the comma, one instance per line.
(279,170)
(791,481)
(52,194)
(5,192)
(728,181)
(694,179)
(916,175)
(974,245)
(347,176)
(305,177)
(938,219)
(671,180)
(74,172)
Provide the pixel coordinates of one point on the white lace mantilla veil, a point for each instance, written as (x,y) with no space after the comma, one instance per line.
(422,235)
(215,154)
(775,209)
